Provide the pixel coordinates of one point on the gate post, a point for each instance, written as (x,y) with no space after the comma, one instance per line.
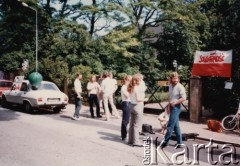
(195,99)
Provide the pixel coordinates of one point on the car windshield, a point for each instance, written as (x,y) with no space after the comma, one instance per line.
(47,86)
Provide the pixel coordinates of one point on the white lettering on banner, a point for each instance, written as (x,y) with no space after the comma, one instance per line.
(217,57)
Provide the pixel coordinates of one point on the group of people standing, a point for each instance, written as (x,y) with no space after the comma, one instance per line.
(132,94)
(98,93)
(133,97)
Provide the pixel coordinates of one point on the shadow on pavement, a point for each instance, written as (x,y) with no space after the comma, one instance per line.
(19,108)
(111,137)
(7,115)
(100,123)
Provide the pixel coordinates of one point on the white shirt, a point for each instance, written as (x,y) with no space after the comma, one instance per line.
(93,88)
(133,96)
(115,83)
(108,86)
(77,86)
(143,88)
(125,94)
(176,92)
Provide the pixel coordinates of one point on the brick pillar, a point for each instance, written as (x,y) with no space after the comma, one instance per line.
(195,99)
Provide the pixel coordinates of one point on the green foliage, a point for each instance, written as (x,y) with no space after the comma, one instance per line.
(222,101)
(86,72)
(67,40)
(224,29)
(183,36)
(54,70)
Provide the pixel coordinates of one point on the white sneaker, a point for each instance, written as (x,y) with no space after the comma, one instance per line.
(76,118)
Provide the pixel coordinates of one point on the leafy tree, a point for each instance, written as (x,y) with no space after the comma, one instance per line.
(54,70)
(17,34)
(182,37)
(224,25)
(67,40)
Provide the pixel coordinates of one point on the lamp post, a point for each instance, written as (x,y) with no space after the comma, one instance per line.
(175,65)
(35,78)
(36,58)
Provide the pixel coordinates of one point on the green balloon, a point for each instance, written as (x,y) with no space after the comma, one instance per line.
(35,79)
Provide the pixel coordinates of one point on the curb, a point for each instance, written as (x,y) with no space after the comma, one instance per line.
(218,142)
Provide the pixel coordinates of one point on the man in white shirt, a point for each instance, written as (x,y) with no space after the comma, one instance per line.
(142,85)
(114,81)
(78,97)
(108,88)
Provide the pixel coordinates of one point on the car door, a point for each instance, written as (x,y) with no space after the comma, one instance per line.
(14,93)
(20,94)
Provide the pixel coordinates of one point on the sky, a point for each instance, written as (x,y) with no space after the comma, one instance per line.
(98,24)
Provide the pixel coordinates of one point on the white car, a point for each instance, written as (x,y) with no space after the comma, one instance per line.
(46,96)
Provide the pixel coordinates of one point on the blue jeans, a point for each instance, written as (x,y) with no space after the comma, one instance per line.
(125,118)
(173,124)
(78,105)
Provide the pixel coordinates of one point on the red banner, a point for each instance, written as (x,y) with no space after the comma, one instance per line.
(212,63)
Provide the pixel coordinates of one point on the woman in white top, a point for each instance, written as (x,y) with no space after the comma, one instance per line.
(125,106)
(93,89)
(137,105)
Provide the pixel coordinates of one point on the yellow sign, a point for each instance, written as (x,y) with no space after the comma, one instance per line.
(119,82)
(163,83)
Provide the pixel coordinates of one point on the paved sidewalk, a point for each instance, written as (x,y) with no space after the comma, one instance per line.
(225,137)
(231,137)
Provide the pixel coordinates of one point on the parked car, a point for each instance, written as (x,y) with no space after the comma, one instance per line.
(46,96)
(5,85)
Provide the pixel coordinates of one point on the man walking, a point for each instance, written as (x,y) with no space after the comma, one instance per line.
(177,95)
(78,97)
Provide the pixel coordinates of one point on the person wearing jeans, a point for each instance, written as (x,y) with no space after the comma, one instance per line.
(78,97)
(177,95)
(125,106)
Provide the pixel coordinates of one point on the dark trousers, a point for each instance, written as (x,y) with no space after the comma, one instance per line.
(78,105)
(125,118)
(93,98)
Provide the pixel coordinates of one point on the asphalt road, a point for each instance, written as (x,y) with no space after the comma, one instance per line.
(48,139)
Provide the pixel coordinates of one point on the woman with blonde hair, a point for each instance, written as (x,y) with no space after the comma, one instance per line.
(137,105)
(125,106)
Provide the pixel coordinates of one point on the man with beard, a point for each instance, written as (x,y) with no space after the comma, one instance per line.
(177,95)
